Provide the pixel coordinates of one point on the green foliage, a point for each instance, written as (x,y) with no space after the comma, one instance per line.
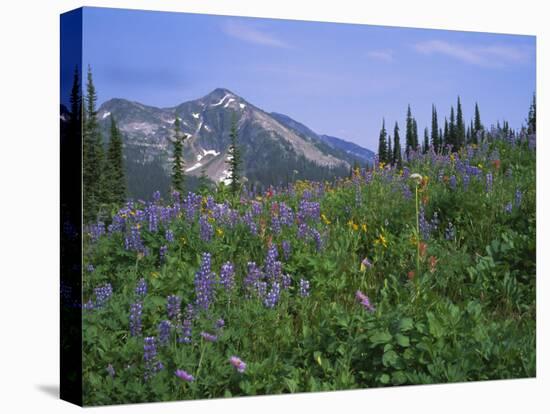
(177,155)
(115,179)
(466,313)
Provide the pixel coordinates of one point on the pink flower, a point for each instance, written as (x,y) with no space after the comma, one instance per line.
(237,363)
(364,300)
(180,373)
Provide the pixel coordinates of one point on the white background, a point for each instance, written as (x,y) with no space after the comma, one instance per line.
(29,207)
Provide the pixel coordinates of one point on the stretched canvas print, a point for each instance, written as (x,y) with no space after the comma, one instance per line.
(258,206)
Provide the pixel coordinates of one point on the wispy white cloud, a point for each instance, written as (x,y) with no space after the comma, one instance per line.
(496,55)
(381,55)
(253,35)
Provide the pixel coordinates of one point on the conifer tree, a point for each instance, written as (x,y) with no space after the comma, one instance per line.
(92,155)
(397,147)
(460,128)
(473,139)
(115,179)
(446,136)
(382,144)
(478,127)
(532,117)
(435,130)
(452,130)
(235,157)
(177,155)
(415,134)
(426,145)
(409,135)
(389,151)
(441,142)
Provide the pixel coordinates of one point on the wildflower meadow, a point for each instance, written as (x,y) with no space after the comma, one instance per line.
(405,274)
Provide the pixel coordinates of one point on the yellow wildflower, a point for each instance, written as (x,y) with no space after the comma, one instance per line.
(381,240)
(364,227)
(325,219)
(154,275)
(219,232)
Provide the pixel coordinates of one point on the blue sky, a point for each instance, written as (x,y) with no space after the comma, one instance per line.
(338,79)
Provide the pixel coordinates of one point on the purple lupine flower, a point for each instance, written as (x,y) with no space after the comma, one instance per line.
(152,364)
(169,236)
(364,300)
(156,196)
(97,230)
(286,281)
(204,282)
(208,337)
(286,214)
(180,373)
(452,182)
(304,288)
(272,265)
(162,252)
(450,232)
(286,249)
(239,365)
(318,240)
(88,305)
(102,294)
(508,208)
(173,305)
(206,229)
(110,370)
(303,231)
(164,328)
(133,240)
(489,182)
(186,331)
(272,297)
(465,181)
(135,318)
(251,224)
(256,208)
(220,323)
(253,277)
(423,224)
(90,268)
(366,263)
(227,276)
(275,224)
(152,217)
(308,210)
(141,288)
(518,197)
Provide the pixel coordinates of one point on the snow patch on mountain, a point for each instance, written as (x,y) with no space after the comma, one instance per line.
(228,102)
(242,105)
(196,116)
(105,115)
(221,100)
(194,167)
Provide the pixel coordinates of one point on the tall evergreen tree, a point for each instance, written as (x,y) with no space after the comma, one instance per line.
(177,155)
(446,135)
(397,147)
(532,117)
(441,141)
(389,151)
(92,155)
(435,130)
(415,134)
(115,179)
(426,145)
(382,144)
(452,130)
(478,127)
(235,157)
(460,128)
(472,139)
(409,134)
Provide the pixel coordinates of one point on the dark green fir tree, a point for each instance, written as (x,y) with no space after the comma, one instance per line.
(92,155)
(460,128)
(382,144)
(177,155)
(115,179)
(435,130)
(397,147)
